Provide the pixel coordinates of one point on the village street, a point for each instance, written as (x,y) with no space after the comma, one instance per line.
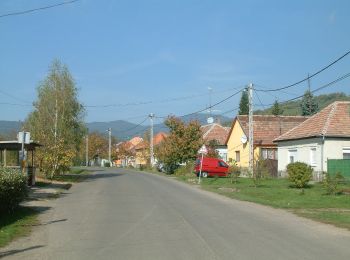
(124,214)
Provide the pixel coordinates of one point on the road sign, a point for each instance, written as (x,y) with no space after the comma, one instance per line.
(203,150)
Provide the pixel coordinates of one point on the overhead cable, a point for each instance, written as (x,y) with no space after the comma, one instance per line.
(307,78)
(37,9)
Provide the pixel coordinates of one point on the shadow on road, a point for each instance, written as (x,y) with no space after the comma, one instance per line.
(92,177)
(16,251)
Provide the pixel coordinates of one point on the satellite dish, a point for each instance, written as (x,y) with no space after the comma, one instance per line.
(210,120)
(244,139)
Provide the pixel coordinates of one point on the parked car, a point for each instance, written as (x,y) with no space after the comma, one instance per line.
(211,167)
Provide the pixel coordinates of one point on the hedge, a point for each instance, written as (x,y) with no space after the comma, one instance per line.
(13,189)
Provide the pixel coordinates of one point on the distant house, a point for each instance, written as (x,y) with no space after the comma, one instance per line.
(142,150)
(126,152)
(218,133)
(266,129)
(324,136)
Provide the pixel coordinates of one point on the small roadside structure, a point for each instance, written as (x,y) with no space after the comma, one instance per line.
(10,156)
(322,141)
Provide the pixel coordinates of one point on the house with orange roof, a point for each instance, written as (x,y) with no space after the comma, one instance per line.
(266,128)
(317,140)
(218,133)
(142,150)
(126,152)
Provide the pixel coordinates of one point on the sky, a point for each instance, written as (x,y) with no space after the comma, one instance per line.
(170,57)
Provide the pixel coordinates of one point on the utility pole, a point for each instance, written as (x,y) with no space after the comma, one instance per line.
(151,116)
(87,150)
(251,129)
(210,93)
(109,143)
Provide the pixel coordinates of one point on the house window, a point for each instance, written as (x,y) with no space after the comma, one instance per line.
(269,153)
(238,156)
(292,155)
(346,153)
(313,156)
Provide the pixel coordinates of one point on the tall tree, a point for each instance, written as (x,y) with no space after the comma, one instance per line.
(182,143)
(57,120)
(276,109)
(244,104)
(308,104)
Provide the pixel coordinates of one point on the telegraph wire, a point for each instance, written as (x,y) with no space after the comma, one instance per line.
(319,88)
(216,104)
(307,78)
(132,128)
(159,101)
(37,9)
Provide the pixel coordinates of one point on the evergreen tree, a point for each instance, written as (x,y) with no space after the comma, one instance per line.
(244,104)
(308,104)
(276,109)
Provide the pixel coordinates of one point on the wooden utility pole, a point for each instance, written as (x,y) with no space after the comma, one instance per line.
(251,129)
(151,116)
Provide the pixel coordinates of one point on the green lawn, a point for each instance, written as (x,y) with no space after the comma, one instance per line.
(314,203)
(17,224)
(74,175)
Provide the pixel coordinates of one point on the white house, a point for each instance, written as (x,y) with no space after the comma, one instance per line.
(219,133)
(326,135)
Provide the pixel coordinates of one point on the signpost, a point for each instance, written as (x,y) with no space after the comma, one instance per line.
(203,150)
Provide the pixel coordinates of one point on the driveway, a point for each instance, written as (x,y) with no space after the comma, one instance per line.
(123,214)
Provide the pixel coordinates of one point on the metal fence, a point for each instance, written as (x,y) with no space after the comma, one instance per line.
(342,166)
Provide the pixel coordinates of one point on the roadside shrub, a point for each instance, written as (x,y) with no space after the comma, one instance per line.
(107,164)
(13,189)
(331,183)
(299,174)
(261,172)
(234,172)
(185,170)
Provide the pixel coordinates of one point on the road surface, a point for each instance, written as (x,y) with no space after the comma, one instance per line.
(122,214)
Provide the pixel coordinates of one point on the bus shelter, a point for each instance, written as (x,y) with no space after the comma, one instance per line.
(10,156)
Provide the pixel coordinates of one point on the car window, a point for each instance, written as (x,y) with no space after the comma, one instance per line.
(222,164)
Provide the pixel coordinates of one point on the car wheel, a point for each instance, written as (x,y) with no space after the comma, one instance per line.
(204,174)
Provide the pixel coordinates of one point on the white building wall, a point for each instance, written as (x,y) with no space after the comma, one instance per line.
(222,153)
(303,153)
(332,149)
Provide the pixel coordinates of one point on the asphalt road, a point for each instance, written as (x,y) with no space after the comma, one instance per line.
(121,214)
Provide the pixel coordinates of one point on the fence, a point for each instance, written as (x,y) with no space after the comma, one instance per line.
(341,166)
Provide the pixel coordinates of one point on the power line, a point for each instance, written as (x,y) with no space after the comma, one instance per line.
(166,100)
(38,9)
(15,104)
(319,88)
(216,104)
(132,128)
(307,78)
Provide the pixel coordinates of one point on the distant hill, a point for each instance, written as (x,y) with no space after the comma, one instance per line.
(124,130)
(293,108)
(9,129)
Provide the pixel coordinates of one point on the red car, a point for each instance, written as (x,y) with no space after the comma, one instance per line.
(211,167)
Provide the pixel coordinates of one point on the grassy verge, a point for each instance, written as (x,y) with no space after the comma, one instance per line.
(17,224)
(313,204)
(74,175)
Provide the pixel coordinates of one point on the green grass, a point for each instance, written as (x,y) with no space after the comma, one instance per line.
(278,193)
(74,175)
(17,224)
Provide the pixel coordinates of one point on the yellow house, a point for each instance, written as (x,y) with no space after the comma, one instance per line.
(266,129)
(142,152)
